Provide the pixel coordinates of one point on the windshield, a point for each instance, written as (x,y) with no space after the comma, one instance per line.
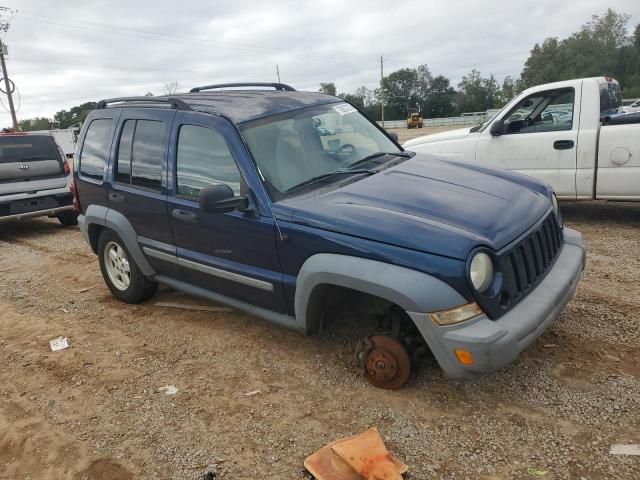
(19,148)
(293,148)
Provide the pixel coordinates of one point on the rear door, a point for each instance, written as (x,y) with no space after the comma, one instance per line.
(539,139)
(138,178)
(233,254)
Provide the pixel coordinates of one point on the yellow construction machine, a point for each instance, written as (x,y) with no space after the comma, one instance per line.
(414,119)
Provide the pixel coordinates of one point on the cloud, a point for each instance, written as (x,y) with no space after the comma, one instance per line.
(66,53)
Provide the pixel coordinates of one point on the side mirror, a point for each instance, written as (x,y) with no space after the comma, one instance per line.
(220,199)
(497,128)
(394,135)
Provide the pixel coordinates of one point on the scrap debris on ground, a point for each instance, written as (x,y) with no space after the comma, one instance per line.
(360,457)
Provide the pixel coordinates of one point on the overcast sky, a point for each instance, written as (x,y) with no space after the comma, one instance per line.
(62,54)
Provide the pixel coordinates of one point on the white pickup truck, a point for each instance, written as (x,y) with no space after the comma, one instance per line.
(566,134)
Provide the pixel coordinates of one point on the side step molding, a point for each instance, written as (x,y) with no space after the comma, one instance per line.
(273,317)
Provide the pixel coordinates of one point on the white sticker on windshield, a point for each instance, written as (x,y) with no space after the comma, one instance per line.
(344,108)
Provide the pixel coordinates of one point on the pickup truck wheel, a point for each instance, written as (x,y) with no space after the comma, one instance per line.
(68,219)
(120,272)
(386,362)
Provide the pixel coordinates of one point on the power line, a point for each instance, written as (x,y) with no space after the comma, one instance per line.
(107,67)
(147,34)
(140,34)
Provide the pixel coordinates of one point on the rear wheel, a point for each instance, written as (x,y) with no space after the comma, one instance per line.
(120,272)
(68,219)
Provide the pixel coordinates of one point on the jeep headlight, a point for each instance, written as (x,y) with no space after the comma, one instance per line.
(481,271)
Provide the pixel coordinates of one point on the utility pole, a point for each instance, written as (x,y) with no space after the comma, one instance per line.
(4,26)
(7,87)
(382,90)
(278,72)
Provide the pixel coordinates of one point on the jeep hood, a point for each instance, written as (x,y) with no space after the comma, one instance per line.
(425,204)
(438,137)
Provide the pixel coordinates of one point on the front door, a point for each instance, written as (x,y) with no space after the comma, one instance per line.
(232,254)
(539,138)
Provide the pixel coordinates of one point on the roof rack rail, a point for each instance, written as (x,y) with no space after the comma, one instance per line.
(277,86)
(175,102)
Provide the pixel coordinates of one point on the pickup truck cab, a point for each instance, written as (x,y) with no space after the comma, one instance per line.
(556,133)
(35,179)
(296,208)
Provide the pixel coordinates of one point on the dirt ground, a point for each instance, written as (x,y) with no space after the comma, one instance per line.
(95,412)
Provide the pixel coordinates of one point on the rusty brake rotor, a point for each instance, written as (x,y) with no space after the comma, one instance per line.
(387,363)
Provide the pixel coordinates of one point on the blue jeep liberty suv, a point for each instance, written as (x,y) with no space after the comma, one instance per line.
(292,205)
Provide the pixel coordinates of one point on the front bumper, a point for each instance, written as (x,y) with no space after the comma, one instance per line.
(39,204)
(496,344)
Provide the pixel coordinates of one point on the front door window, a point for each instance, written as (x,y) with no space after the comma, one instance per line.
(548,111)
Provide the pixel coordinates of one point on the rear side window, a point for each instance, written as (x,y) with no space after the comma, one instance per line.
(204,159)
(610,97)
(123,166)
(95,149)
(140,150)
(29,148)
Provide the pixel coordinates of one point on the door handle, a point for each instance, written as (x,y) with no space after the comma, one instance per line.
(563,144)
(184,216)
(116,197)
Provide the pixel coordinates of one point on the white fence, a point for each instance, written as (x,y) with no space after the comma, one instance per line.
(439,122)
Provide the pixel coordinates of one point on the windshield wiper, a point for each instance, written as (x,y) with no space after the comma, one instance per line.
(350,170)
(380,154)
(324,176)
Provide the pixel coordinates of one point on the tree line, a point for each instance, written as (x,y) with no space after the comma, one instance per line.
(602,46)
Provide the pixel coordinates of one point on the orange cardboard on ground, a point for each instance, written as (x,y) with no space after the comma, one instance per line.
(354,458)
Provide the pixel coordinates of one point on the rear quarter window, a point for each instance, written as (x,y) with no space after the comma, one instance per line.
(95,149)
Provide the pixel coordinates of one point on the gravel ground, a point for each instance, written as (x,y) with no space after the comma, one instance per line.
(94,411)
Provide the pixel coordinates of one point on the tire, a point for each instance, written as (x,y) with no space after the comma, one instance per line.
(68,219)
(114,258)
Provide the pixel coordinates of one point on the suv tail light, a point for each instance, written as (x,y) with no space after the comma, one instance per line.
(74,192)
(66,167)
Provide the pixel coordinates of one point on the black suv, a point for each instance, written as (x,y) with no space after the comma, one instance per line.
(294,206)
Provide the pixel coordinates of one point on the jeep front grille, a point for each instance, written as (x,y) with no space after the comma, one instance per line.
(525,264)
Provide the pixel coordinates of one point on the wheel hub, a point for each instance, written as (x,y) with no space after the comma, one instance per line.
(117,266)
(386,362)
(381,366)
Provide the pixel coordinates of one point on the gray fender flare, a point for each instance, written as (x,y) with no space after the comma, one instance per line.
(411,290)
(107,217)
